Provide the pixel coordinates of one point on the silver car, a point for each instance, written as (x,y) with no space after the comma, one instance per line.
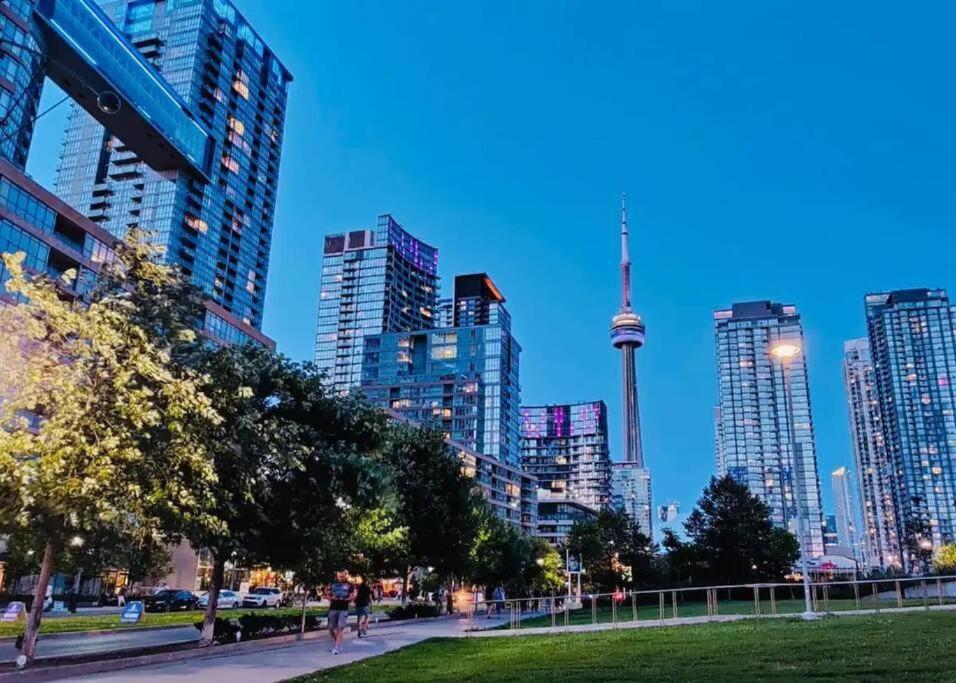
(227,600)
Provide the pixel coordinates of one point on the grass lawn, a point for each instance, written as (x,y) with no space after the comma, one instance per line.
(918,646)
(651,612)
(112,621)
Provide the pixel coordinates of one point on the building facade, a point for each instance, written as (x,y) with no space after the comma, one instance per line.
(556,517)
(463,380)
(754,430)
(846,526)
(912,336)
(566,448)
(874,471)
(21,80)
(373,281)
(216,223)
(631,486)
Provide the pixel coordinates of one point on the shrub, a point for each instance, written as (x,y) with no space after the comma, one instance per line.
(252,626)
(414,610)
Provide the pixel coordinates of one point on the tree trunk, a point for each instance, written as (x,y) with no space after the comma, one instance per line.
(408,570)
(305,599)
(215,585)
(36,609)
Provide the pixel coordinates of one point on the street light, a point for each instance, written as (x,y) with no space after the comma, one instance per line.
(785,351)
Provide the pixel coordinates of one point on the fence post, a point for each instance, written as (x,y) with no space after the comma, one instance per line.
(757,601)
(614,609)
(925,595)
(716,604)
(710,606)
(856,593)
(674,603)
(634,605)
(899,594)
(876,597)
(773,599)
(661,596)
(939,590)
(566,616)
(593,609)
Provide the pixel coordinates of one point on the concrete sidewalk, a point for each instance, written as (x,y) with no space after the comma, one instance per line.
(294,659)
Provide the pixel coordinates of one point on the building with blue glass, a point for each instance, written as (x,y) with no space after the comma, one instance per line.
(912,335)
(373,281)
(215,96)
(874,470)
(757,445)
(566,448)
(463,380)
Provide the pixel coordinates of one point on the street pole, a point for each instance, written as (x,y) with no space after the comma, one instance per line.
(801,518)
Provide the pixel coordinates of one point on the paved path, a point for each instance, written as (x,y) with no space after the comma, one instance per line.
(293,659)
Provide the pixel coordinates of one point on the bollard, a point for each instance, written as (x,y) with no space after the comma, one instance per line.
(899,594)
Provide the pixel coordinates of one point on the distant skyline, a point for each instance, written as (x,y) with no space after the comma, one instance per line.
(796,153)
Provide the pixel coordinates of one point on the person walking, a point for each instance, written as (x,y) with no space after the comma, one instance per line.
(499,599)
(363,606)
(121,597)
(339,594)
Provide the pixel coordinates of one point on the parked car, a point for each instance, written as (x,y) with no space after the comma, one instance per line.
(263,597)
(227,600)
(170,600)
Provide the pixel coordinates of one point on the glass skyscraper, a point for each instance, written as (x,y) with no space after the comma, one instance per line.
(217,229)
(912,337)
(755,445)
(846,526)
(461,379)
(874,471)
(566,448)
(21,80)
(373,281)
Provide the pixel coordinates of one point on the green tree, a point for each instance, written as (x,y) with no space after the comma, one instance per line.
(434,501)
(544,570)
(101,426)
(613,551)
(500,553)
(944,560)
(733,538)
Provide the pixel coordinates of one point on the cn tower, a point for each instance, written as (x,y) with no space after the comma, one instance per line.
(627,334)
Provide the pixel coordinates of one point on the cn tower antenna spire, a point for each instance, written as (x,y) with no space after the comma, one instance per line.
(625,258)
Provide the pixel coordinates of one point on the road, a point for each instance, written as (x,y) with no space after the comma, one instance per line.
(81,643)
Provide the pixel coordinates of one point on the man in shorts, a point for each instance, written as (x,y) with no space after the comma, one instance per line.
(339,593)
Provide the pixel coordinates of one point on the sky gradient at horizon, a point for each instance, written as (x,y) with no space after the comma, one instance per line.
(770,150)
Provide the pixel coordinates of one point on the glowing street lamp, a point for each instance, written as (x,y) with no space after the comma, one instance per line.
(785,351)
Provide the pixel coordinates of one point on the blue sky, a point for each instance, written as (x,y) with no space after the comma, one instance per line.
(801,152)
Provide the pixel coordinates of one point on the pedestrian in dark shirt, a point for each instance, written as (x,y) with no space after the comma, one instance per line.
(363,606)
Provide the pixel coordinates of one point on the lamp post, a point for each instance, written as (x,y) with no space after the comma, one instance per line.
(785,351)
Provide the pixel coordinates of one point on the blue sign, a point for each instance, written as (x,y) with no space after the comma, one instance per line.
(15,611)
(132,613)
